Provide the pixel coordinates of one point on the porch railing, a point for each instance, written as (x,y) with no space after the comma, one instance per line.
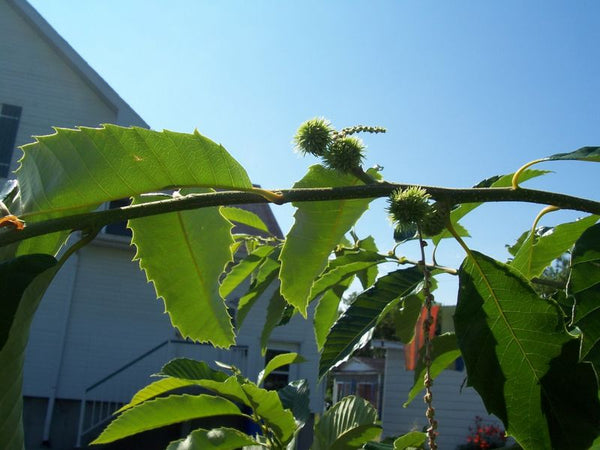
(101,399)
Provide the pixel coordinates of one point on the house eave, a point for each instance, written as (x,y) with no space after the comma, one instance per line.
(385,344)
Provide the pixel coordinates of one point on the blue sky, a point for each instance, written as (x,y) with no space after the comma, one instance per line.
(466,89)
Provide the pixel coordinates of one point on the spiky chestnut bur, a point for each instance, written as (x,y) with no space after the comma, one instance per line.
(435,221)
(409,207)
(344,154)
(314,136)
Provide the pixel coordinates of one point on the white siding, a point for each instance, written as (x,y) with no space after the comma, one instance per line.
(99,313)
(114,317)
(298,334)
(455,408)
(51,92)
(42,358)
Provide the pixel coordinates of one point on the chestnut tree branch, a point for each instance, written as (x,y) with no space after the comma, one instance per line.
(99,219)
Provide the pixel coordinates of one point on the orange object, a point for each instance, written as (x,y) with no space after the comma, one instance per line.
(12,221)
(411,350)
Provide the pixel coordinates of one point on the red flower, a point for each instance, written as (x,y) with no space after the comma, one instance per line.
(485,436)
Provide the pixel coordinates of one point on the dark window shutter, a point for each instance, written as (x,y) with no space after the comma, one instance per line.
(10,115)
(119,228)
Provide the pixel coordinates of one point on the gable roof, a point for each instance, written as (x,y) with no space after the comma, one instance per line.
(359,364)
(264,211)
(125,114)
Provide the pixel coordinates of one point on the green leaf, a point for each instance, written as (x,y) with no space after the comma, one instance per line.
(183,254)
(465,208)
(295,397)
(336,278)
(509,337)
(275,314)
(10,199)
(581,154)
(513,249)
(268,406)
(217,439)
(532,258)
(243,269)
(74,171)
(189,369)
(445,352)
(368,276)
(570,400)
(179,373)
(231,389)
(155,389)
(165,411)
(406,318)
(15,276)
(267,274)
(235,246)
(287,315)
(8,192)
(356,437)
(412,439)
(346,425)
(326,312)
(277,362)
(206,377)
(363,314)
(371,445)
(318,228)
(342,267)
(12,354)
(584,285)
(244,217)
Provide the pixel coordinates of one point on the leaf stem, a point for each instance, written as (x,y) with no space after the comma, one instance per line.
(448,270)
(537,219)
(456,236)
(541,214)
(363,176)
(86,238)
(271,196)
(517,174)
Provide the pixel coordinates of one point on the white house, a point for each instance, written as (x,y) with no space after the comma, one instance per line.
(456,405)
(386,383)
(99,331)
(361,376)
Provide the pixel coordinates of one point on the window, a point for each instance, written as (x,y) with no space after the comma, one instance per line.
(9,124)
(120,228)
(343,389)
(368,391)
(278,378)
